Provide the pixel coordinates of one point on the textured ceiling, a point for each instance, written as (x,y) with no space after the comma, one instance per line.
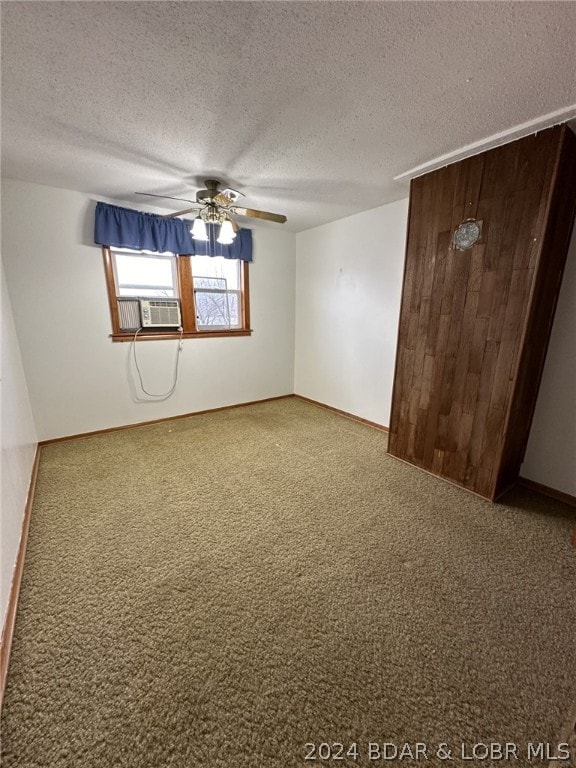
(309,108)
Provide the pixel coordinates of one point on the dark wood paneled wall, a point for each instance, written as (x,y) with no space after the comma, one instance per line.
(475,323)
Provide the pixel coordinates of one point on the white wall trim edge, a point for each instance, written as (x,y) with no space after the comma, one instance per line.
(490,142)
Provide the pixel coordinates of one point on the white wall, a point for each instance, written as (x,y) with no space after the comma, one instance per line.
(551,453)
(348,290)
(77,377)
(18,445)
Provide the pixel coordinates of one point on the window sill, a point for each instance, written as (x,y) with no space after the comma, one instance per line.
(164,335)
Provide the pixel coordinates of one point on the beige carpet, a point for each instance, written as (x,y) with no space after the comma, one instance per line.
(224,589)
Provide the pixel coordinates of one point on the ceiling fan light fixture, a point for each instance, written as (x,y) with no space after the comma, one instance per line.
(215,206)
(199,231)
(226,235)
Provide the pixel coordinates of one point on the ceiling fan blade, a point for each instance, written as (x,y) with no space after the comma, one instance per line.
(181,213)
(254,214)
(164,197)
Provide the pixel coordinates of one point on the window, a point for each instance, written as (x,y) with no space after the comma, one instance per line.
(217,292)
(145,274)
(212,292)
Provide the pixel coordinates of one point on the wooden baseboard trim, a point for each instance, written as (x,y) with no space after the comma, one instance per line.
(83,435)
(10,619)
(352,416)
(545,490)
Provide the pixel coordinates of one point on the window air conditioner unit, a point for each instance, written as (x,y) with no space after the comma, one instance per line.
(160,313)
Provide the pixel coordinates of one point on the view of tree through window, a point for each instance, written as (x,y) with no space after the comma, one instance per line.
(217,291)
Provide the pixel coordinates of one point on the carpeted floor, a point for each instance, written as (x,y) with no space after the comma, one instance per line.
(224,590)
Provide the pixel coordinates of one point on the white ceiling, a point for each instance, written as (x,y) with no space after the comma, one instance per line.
(309,108)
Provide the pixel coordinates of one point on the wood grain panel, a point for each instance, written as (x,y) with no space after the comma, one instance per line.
(557,213)
(474,324)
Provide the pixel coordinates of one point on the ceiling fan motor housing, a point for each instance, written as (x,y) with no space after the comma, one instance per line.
(210,192)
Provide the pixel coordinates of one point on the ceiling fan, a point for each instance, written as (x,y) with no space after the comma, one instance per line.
(214,206)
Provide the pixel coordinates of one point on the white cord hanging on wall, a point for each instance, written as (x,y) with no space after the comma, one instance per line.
(158,397)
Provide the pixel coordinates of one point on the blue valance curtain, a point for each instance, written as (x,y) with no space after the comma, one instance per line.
(126,228)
